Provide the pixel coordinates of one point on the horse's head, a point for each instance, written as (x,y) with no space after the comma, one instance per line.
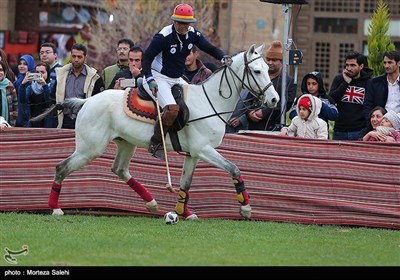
(256,78)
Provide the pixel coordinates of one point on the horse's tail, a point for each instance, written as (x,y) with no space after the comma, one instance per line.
(73,103)
(46,112)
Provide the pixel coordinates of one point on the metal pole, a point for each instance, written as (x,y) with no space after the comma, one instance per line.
(286,10)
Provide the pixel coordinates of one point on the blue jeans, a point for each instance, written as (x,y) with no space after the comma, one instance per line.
(350,135)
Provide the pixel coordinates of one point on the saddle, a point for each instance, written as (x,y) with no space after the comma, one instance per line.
(139,105)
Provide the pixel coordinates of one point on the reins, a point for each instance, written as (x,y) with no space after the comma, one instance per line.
(246,74)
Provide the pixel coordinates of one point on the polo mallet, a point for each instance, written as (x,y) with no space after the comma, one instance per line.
(169,185)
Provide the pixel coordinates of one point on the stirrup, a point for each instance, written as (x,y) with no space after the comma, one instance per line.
(157,151)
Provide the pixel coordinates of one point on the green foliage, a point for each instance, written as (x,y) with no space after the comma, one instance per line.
(77,240)
(378,40)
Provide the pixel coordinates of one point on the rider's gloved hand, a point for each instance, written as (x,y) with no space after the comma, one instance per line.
(153,87)
(227,60)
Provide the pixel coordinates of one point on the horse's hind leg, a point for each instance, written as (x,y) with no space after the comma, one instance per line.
(88,147)
(210,155)
(186,179)
(121,169)
(63,169)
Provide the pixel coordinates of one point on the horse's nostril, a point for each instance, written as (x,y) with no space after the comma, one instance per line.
(273,100)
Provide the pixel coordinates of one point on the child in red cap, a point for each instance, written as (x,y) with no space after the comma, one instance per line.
(307,124)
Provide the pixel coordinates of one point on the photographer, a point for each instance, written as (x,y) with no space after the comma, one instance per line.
(38,94)
(133,72)
(26,64)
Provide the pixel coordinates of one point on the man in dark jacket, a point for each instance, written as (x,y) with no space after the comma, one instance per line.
(134,70)
(195,71)
(384,90)
(348,90)
(269,118)
(164,65)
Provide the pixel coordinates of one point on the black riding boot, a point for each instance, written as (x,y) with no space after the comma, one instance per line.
(168,117)
(156,143)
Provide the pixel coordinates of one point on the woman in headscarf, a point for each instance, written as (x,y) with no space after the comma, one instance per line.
(8,100)
(9,73)
(26,64)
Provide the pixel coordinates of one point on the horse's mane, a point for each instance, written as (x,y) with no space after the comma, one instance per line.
(239,52)
(223,66)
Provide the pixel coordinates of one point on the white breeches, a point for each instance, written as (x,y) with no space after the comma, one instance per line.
(164,88)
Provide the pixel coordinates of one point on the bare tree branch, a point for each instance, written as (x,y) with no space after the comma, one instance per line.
(139,20)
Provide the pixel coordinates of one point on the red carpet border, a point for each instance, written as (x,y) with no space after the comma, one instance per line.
(289,179)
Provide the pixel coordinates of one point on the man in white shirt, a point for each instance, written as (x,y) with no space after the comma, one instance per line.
(384,90)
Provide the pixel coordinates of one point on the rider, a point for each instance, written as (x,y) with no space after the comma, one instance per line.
(164,64)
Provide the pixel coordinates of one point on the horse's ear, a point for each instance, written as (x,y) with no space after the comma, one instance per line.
(251,49)
(260,49)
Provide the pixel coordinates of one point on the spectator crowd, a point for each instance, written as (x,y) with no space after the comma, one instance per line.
(358,105)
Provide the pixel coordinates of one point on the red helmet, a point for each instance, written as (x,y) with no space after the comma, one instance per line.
(183,13)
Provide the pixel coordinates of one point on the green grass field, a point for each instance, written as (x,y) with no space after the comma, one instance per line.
(78,240)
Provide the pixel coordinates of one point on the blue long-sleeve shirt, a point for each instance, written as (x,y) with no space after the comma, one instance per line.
(168,50)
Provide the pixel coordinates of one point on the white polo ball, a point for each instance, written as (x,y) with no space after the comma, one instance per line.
(171,218)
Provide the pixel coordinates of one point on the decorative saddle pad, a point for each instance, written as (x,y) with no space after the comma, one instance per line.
(144,110)
(137,108)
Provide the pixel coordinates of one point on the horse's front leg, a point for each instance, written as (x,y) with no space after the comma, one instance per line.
(210,155)
(181,207)
(120,167)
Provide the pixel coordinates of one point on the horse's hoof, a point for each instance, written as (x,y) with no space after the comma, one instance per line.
(58,212)
(192,217)
(152,206)
(245,211)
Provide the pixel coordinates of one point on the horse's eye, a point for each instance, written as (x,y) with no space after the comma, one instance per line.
(257,71)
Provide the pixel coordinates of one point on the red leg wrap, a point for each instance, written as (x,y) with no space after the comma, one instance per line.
(140,189)
(187,212)
(54,195)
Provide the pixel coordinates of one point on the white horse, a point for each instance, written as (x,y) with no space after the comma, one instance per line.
(102,119)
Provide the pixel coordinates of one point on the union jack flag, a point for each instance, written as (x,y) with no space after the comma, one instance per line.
(354,95)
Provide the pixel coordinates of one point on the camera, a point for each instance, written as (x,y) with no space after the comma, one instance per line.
(35,76)
(128,83)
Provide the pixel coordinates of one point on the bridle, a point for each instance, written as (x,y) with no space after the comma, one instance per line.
(259,94)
